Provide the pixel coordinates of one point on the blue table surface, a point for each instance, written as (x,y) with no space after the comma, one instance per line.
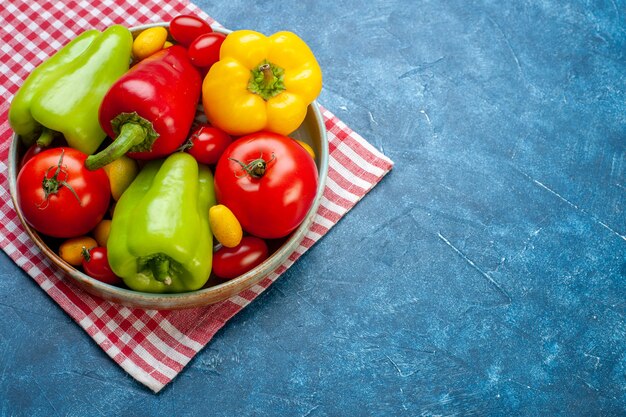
(485,275)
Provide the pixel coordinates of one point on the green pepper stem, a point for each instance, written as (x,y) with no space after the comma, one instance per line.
(161,270)
(266,80)
(45,138)
(268,75)
(159,265)
(134,134)
(131,134)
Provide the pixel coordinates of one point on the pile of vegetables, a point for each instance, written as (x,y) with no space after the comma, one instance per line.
(125,181)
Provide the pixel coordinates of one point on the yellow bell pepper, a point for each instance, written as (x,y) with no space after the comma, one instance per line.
(261,83)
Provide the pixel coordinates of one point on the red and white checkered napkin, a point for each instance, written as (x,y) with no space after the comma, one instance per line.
(152,346)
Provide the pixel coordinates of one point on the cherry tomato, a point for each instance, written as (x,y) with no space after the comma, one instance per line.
(96,265)
(59,196)
(33,150)
(204,51)
(229,263)
(36,148)
(207,143)
(186,28)
(268,181)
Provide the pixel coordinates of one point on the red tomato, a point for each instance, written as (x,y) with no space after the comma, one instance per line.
(33,150)
(186,28)
(229,263)
(268,181)
(36,148)
(207,143)
(204,51)
(96,265)
(59,196)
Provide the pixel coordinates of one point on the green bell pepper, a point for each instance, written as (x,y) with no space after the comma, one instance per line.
(64,93)
(20,118)
(160,240)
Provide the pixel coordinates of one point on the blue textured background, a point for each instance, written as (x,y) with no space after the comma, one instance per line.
(484,275)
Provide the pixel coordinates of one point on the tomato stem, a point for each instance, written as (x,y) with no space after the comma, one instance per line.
(188,144)
(256,168)
(52,185)
(85,253)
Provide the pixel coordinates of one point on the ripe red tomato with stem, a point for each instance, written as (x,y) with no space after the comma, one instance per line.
(268,181)
(204,51)
(229,263)
(186,28)
(207,143)
(59,196)
(96,265)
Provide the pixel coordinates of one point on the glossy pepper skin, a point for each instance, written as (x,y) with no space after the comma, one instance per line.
(20,117)
(65,95)
(150,109)
(160,240)
(261,83)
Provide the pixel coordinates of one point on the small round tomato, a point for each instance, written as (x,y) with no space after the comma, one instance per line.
(38,147)
(204,51)
(59,196)
(33,150)
(229,263)
(268,181)
(186,28)
(207,143)
(96,265)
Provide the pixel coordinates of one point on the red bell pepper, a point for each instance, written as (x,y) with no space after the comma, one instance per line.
(150,109)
